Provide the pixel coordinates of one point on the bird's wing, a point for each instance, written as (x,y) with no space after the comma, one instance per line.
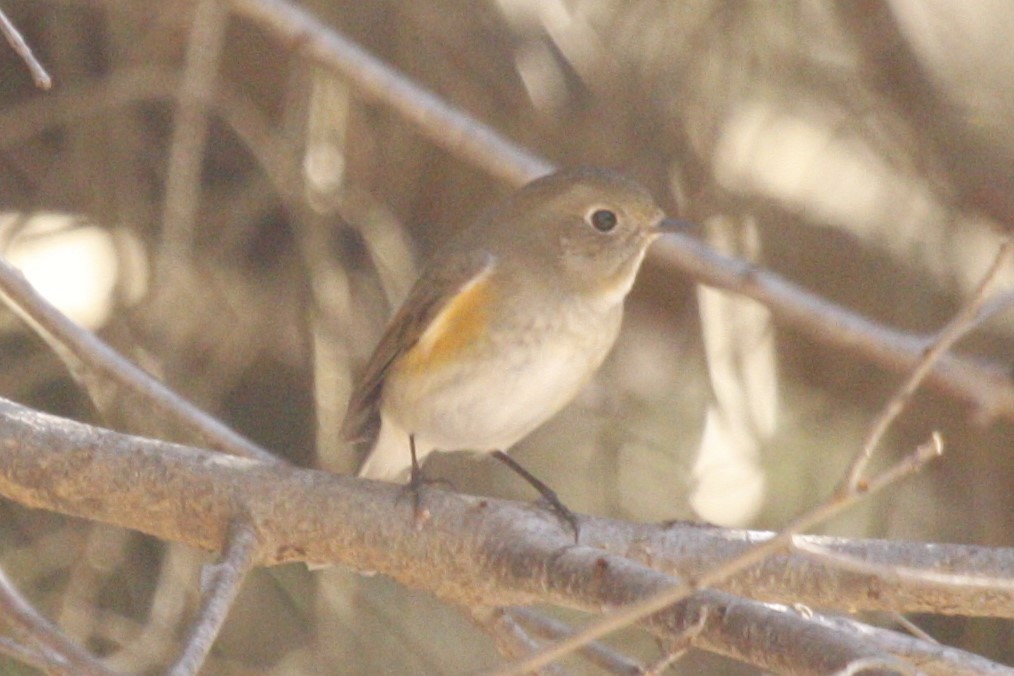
(432,293)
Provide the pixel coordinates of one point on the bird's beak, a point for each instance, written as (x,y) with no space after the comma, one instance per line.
(667,225)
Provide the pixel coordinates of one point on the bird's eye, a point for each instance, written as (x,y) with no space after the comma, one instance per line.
(603,220)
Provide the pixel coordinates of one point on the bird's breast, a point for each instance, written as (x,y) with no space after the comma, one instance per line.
(490,376)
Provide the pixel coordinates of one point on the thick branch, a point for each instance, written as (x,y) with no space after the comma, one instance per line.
(689,550)
(473,551)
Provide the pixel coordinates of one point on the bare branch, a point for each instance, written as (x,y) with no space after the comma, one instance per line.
(598,654)
(510,637)
(107,375)
(189,134)
(442,123)
(895,574)
(691,550)
(961,324)
(10,31)
(58,652)
(473,552)
(636,611)
(930,656)
(987,386)
(226,578)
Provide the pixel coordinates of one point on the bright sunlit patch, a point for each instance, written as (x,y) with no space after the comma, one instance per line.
(731,485)
(72,263)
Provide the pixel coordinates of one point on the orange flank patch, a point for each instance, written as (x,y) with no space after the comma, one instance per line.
(459,324)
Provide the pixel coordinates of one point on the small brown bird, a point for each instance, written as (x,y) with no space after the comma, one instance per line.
(506,324)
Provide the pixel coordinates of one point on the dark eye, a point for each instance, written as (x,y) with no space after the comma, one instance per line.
(603,220)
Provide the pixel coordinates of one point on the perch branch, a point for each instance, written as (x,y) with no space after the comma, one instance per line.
(473,551)
(688,590)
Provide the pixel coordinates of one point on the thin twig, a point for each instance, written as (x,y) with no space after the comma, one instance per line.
(987,386)
(190,132)
(510,637)
(32,658)
(890,574)
(641,609)
(220,592)
(961,324)
(56,647)
(82,350)
(597,653)
(445,125)
(913,628)
(10,31)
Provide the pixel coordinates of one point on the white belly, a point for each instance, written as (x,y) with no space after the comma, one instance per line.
(515,388)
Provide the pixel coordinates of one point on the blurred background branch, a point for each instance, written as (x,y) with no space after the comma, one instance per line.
(860,150)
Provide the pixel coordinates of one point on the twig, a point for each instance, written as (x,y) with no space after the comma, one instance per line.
(190,132)
(442,123)
(85,353)
(641,609)
(597,653)
(913,628)
(31,657)
(961,324)
(60,653)
(987,386)
(221,589)
(891,574)
(10,31)
(510,636)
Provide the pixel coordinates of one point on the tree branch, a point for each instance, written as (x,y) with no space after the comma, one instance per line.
(226,578)
(18,44)
(52,649)
(473,551)
(987,386)
(109,377)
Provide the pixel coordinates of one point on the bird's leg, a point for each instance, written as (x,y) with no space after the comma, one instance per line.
(416,481)
(416,476)
(547,493)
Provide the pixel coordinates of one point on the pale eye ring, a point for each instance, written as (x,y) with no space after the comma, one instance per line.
(603,220)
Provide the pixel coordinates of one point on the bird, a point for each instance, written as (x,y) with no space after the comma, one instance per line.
(506,323)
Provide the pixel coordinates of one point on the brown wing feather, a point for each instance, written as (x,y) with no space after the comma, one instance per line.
(431,293)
